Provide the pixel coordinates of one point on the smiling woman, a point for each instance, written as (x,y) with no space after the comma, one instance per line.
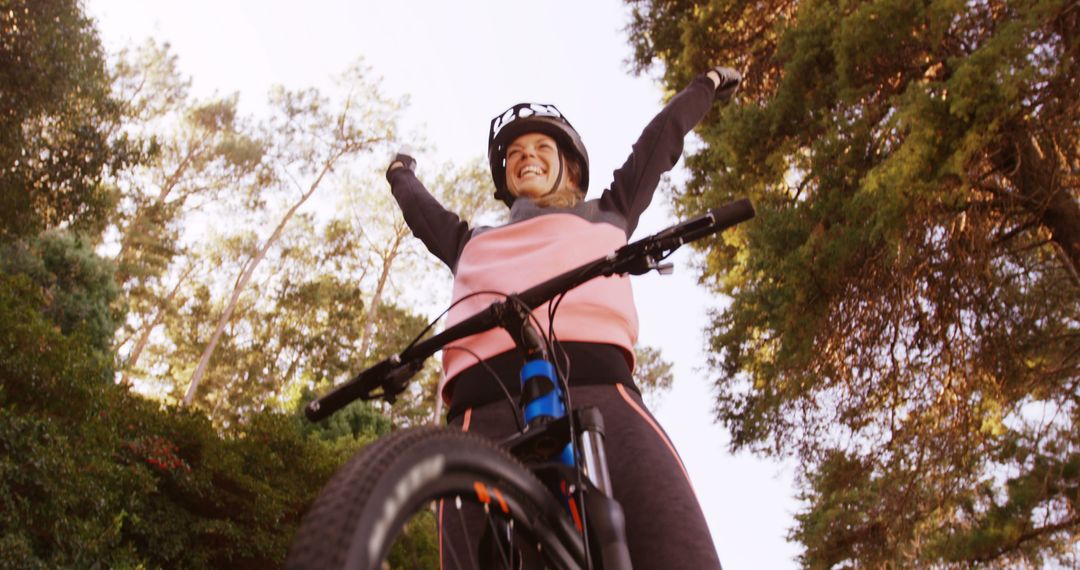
(537,169)
(596,329)
(535,152)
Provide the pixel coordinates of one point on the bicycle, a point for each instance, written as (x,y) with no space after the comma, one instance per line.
(542,496)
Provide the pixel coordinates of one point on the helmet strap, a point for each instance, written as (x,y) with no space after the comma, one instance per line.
(558,178)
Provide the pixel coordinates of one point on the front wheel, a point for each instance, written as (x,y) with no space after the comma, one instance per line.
(501,516)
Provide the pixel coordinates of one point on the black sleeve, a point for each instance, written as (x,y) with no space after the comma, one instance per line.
(656,151)
(442,231)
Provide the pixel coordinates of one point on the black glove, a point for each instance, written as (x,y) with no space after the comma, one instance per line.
(403,157)
(729,83)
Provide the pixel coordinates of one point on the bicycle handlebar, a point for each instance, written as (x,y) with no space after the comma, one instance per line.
(642,256)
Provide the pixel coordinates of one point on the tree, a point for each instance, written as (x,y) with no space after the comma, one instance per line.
(202,152)
(91,474)
(76,283)
(300,323)
(463,189)
(55,108)
(312,139)
(905,314)
(652,373)
(201,157)
(401,263)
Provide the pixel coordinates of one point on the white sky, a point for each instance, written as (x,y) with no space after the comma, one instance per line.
(460,63)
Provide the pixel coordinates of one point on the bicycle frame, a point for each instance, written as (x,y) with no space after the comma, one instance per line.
(576,438)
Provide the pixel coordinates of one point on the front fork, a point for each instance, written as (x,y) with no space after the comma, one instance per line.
(543,402)
(547,436)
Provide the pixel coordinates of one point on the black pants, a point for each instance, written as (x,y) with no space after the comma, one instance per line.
(665,528)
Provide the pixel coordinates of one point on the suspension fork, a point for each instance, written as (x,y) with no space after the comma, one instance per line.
(542,400)
(546,418)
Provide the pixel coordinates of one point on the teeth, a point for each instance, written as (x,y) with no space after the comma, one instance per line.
(531,170)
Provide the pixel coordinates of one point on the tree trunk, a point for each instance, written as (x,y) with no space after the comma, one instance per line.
(144,337)
(388,258)
(122,274)
(1041,179)
(245,278)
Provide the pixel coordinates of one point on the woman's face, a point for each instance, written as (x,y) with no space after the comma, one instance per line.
(532,165)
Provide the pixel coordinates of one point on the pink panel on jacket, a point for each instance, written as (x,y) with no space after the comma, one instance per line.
(517,256)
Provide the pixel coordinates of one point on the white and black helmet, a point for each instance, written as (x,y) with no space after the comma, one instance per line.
(532,118)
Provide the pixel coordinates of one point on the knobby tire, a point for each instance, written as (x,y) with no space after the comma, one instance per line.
(363,509)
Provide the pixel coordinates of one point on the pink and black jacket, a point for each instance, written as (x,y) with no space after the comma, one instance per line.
(596,323)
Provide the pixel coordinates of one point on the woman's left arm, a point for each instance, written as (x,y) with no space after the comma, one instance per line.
(661,144)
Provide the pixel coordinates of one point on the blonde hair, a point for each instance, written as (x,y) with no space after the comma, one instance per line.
(565,197)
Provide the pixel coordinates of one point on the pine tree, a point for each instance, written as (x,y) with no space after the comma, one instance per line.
(905,315)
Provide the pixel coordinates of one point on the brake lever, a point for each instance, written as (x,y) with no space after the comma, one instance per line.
(643,255)
(398,379)
(650,262)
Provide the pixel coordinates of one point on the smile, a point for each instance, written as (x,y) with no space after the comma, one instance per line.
(531,169)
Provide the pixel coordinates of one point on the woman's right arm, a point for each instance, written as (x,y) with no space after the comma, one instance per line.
(442,231)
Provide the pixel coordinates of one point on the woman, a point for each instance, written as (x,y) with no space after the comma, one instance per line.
(540,169)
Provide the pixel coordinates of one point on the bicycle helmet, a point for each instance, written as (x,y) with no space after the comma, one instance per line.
(532,118)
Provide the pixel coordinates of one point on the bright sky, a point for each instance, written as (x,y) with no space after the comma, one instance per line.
(460,63)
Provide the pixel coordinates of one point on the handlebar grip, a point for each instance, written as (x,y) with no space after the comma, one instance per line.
(734,213)
(722,218)
(360,386)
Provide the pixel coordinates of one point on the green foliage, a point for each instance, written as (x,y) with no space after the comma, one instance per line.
(359,422)
(198,154)
(844,519)
(120,159)
(906,301)
(77,284)
(652,373)
(92,474)
(55,113)
(300,327)
(995,524)
(418,546)
(466,191)
(224,501)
